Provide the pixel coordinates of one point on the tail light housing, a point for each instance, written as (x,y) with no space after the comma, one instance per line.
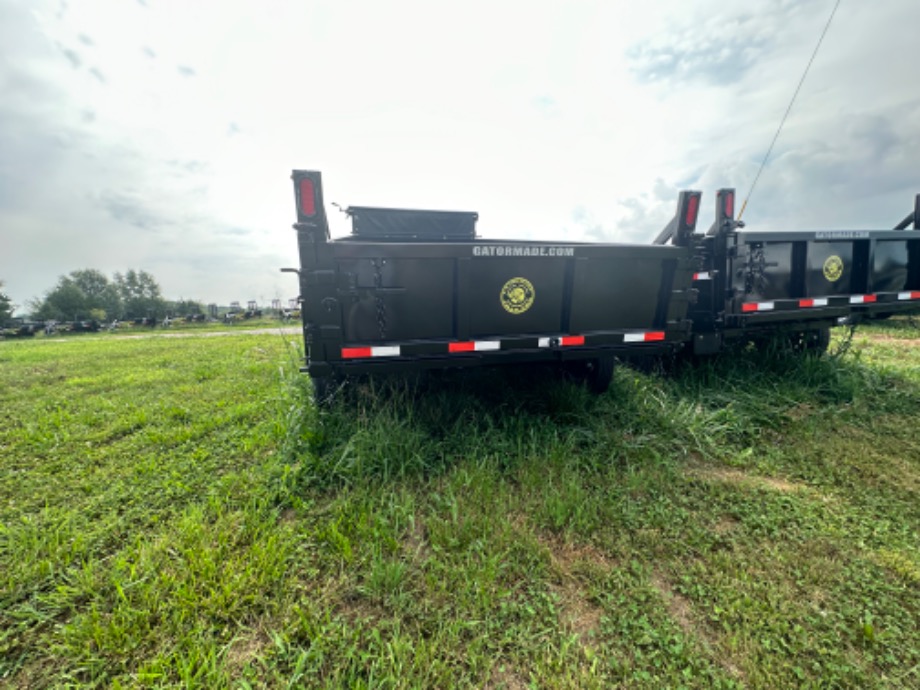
(693,210)
(728,203)
(307,197)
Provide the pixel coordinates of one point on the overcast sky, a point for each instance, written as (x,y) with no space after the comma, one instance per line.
(160,135)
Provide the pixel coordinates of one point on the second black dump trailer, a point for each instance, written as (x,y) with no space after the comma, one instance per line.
(414,289)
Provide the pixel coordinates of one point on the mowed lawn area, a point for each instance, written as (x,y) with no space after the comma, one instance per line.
(176,513)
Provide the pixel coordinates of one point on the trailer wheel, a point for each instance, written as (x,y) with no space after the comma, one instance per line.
(600,374)
(323,387)
(816,341)
(821,340)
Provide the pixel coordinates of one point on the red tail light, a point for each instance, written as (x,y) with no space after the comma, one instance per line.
(355,352)
(693,207)
(729,204)
(307,198)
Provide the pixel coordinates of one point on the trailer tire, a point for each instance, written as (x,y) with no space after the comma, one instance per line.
(600,374)
(816,341)
(821,340)
(323,388)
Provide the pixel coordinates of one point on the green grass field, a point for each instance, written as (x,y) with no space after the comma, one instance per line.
(175,513)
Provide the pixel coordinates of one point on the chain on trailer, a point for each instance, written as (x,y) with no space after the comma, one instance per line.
(380,305)
(755,278)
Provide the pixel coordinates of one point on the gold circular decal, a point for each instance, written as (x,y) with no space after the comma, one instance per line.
(833,268)
(517,295)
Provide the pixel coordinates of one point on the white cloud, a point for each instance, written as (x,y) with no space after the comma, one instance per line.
(161,135)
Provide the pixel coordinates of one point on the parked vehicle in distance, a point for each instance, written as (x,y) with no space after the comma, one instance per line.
(416,289)
(20,328)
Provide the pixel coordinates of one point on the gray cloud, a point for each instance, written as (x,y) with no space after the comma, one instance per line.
(130,208)
(234,231)
(880,135)
(80,188)
(646,214)
(641,216)
(31,152)
(186,71)
(860,177)
(72,56)
(191,167)
(721,47)
(868,167)
(256,274)
(546,105)
(23,87)
(722,56)
(586,227)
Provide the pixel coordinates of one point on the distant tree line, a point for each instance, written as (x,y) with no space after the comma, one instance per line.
(6,305)
(90,294)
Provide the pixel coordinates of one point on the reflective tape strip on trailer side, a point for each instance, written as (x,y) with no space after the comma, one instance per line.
(909,295)
(645,337)
(748,307)
(561,341)
(863,299)
(706,275)
(812,302)
(474,346)
(378,351)
(815,302)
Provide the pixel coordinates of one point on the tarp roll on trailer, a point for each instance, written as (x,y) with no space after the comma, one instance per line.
(396,223)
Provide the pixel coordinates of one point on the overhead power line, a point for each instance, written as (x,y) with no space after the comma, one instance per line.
(788,109)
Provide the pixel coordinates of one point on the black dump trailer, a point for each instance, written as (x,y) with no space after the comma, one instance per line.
(414,289)
(753,285)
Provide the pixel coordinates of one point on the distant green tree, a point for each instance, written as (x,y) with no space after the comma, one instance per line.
(64,302)
(140,295)
(88,293)
(185,307)
(101,294)
(6,305)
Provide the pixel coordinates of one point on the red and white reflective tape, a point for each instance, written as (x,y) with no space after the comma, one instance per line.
(474,346)
(863,299)
(909,295)
(706,275)
(379,351)
(561,341)
(758,306)
(815,302)
(646,337)
(462,346)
